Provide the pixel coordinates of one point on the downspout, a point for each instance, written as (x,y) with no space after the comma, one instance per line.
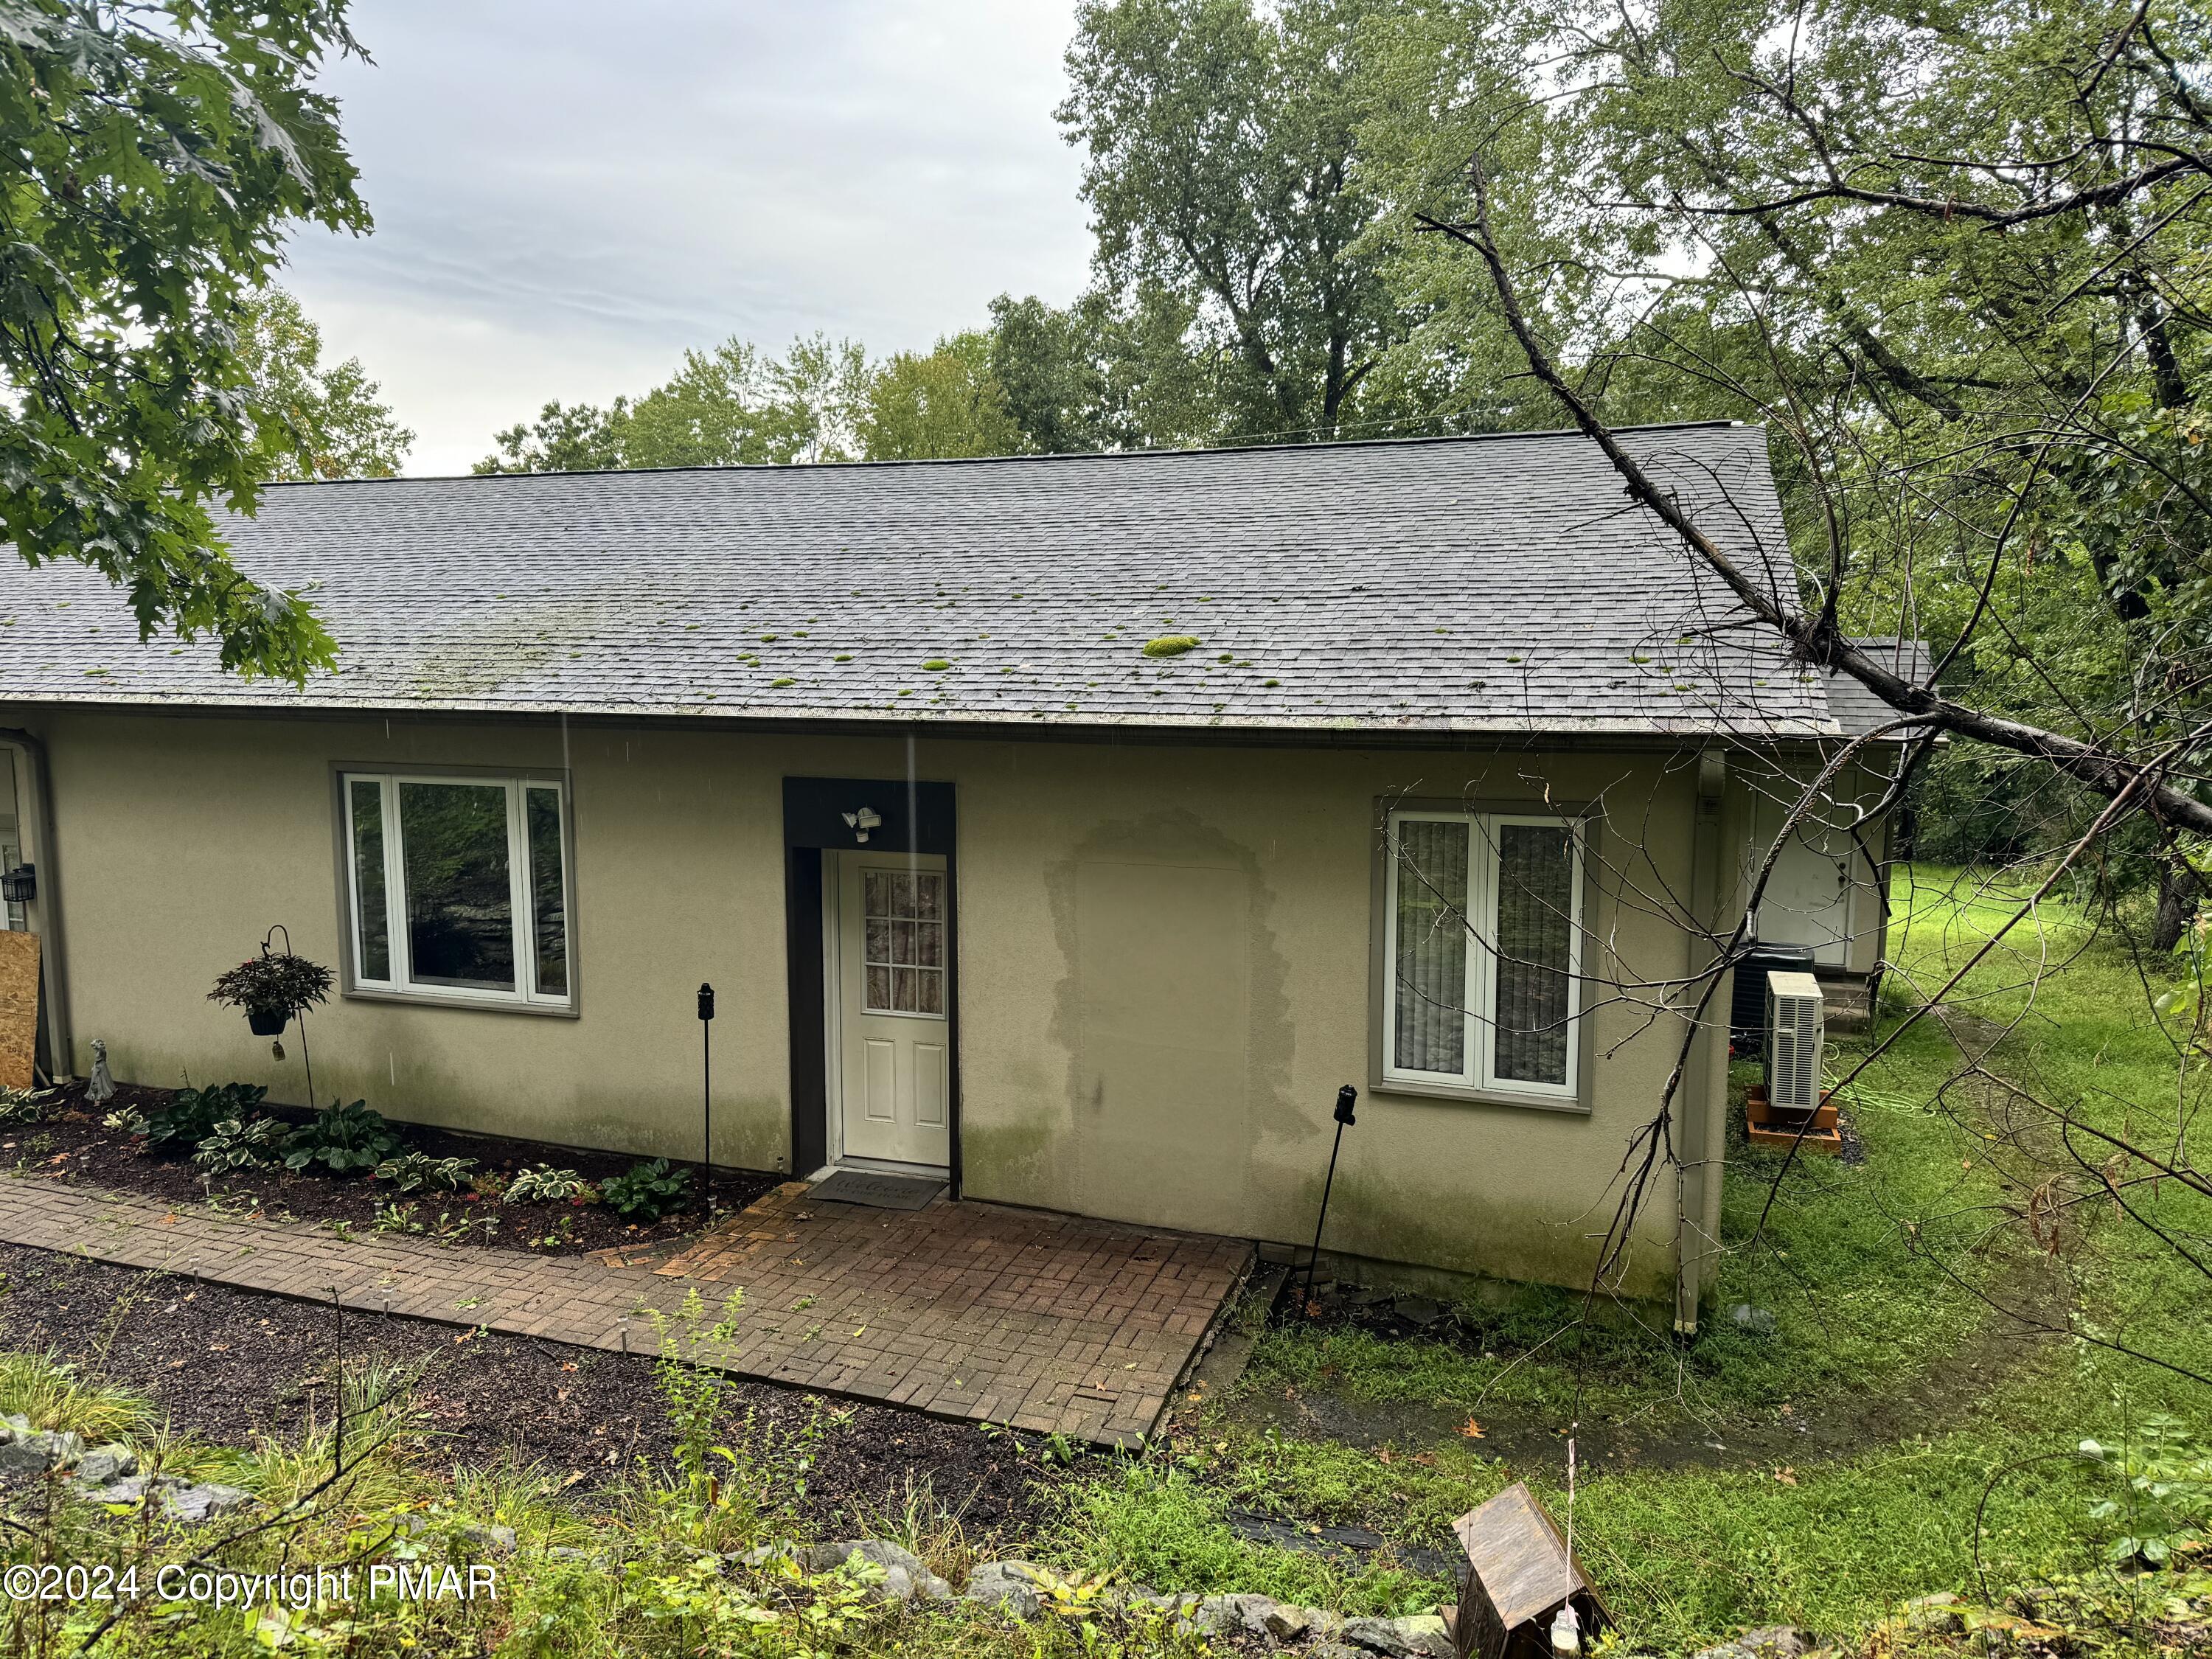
(45,910)
(1693,1239)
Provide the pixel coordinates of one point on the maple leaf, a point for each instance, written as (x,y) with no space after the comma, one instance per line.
(1472,1430)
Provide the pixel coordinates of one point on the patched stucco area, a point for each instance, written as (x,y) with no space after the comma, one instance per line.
(1173,1008)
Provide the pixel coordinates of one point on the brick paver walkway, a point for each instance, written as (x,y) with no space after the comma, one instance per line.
(1051,1324)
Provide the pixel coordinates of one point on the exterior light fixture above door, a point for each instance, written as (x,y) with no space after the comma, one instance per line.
(859,823)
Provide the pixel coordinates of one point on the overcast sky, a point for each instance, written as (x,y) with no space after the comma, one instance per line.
(568,194)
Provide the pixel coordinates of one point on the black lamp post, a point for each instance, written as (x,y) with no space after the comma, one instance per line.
(1345,1098)
(707,1094)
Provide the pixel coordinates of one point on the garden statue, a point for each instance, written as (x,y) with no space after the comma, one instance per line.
(100,1088)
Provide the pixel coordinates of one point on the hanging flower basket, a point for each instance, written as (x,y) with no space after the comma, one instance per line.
(271,988)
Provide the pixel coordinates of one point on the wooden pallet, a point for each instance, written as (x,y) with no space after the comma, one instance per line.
(1768,1127)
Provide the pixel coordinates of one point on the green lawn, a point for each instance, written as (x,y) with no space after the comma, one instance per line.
(1913,1398)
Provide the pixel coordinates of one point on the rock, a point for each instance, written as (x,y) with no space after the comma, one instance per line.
(1726,1650)
(568,1552)
(16,1423)
(1775,1642)
(33,1451)
(203,1503)
(1231,1615)
(1418,1309)
(1760,1322)
(1008,1585)
(1424,1633)
(905,1574)
(1288,1624)
(1334,1650)
(1935,1615)
(1179,1609)
(496,1540)
(1384,1635)
(103,1465)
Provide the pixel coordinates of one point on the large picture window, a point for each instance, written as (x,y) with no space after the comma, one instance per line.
(1482,932)
(458,886)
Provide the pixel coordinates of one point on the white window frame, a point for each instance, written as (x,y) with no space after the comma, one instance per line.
(1478,1075)
(521,899)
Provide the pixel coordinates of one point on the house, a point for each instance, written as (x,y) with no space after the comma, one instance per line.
(1075,826)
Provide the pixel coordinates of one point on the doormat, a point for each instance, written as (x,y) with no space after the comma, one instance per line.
(879,1192)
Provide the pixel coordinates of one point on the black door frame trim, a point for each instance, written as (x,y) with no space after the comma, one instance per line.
(917,817)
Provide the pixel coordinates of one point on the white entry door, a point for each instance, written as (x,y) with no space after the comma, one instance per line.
(892,1049)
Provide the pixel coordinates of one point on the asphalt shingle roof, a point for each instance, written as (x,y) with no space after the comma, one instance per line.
(1498,584)
(1856,709)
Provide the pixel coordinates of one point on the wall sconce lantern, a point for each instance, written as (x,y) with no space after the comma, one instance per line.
(861,822)
(20,886)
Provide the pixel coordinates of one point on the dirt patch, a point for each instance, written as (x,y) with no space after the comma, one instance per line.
(230,1365)
(72,1144)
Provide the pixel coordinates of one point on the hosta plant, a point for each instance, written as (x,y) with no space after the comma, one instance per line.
(344,1139)
(190,1115)
(23,1105)
(546,1185)
(648,1191)
(412,1171)
(251,1144)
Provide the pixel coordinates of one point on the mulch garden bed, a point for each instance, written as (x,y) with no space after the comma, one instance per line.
(71,1143)
(229,1366)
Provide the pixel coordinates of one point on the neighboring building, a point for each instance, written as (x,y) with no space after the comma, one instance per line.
(984,882)
(1828,890)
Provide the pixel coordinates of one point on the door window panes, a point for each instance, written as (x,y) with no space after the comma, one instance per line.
(902,924)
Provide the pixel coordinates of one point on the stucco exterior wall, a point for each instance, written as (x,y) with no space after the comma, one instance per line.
(1163,955)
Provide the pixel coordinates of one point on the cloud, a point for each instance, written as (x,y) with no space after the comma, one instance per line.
(567,195)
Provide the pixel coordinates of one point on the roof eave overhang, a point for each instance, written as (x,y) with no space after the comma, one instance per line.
(1059,727)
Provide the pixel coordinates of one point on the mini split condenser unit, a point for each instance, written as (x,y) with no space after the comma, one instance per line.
(1793,1030)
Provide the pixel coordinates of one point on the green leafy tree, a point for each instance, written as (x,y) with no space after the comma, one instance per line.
(1109,372)
(564,438)
(731,406)
(1955,263)
(314,422)
(941,406)
(155,156)
(1221,146)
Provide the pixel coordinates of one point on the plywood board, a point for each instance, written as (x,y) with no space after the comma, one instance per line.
(19,1007)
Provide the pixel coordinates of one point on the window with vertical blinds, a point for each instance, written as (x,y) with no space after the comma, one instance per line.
(1483,936)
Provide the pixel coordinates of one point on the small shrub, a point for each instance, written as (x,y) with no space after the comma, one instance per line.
(2165,1503)
(344,1139)
(281,981)
(20,1106)
(412,1171)
(231,1144)
(648,1191)
(546,1185)
(190,1115)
